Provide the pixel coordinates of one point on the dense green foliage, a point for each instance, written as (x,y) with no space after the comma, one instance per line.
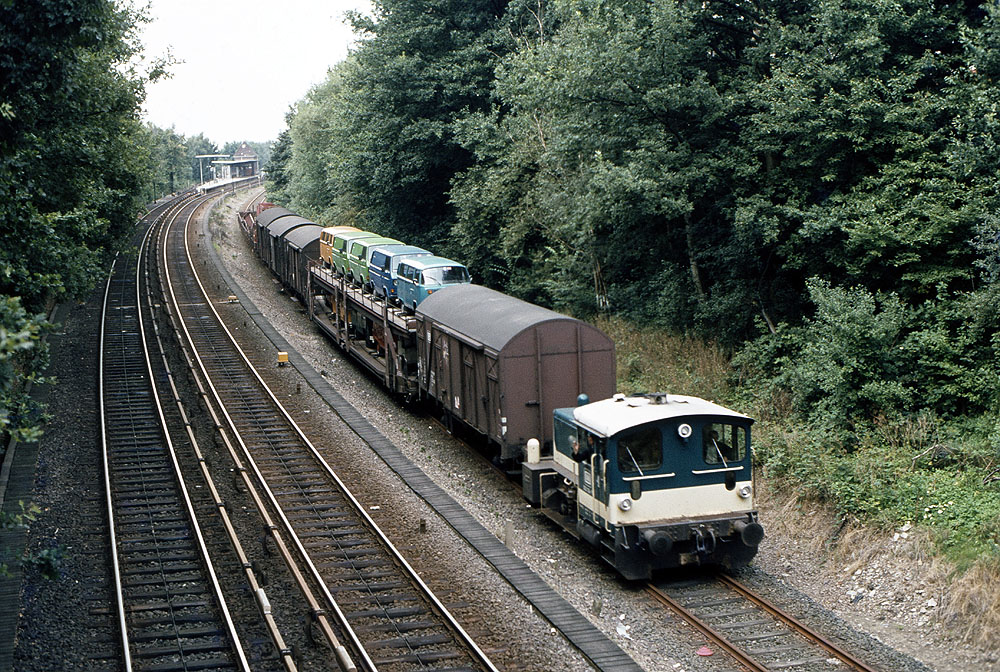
(812,185)
(72,166)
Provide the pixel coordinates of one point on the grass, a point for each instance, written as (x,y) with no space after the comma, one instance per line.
(651,360)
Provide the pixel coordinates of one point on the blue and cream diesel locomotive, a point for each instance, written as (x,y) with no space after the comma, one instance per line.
(652,481)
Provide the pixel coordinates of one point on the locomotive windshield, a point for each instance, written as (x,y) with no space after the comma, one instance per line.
(723,443)
(640,451)
(446,275)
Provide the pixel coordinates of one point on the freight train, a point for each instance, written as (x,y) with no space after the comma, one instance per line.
(652,482)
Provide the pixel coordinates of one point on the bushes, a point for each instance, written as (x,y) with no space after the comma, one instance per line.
(823,429)
(919,470)
(22,358)
(861,355)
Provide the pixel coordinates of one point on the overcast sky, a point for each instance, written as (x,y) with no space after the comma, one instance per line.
(244,62)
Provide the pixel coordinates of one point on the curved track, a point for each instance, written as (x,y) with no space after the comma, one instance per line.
(757,634)
(171,611)
(363,589)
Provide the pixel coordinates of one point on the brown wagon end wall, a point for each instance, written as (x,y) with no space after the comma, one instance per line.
(548,366)
(501,365)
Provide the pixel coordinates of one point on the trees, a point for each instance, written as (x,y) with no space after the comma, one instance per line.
(743,171)
(614,178)
(169,162)
(418,67)
(72,168)
(870,165)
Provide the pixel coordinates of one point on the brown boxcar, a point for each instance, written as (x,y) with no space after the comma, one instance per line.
(276,233)
(301,247)
(262,241)
(501,365)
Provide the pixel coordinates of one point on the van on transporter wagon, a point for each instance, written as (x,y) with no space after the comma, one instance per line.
(383,267)
(419,277)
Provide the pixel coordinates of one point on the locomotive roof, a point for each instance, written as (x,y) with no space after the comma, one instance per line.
(267,216)
(610,416)
(484,315)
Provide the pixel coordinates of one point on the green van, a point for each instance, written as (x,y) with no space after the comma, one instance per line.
(359,253)
(341,244)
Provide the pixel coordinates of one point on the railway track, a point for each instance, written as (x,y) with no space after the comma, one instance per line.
(171,611)
(369,605)
(758,635)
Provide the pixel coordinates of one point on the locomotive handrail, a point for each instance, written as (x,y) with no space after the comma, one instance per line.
(716,471)
(648,477)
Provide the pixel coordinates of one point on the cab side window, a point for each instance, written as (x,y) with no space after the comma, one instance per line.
(723,443)
(564,437)
(584,444)
(640,451)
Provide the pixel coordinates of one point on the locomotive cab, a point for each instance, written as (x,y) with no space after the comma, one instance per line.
(652,481)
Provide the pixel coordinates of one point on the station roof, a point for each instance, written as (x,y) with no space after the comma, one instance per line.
(484,315)
(245,153)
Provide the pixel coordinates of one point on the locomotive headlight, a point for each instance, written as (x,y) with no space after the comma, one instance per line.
(625,504)
(745,492)
(684,430)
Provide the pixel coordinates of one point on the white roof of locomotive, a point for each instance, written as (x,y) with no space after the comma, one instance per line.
(611,416)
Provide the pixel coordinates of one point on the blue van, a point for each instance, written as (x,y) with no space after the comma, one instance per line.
(419,277)
(383,265)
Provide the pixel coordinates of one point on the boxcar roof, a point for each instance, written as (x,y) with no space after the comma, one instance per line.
(280,227)
(303,235)
(484,315)
(610,416)
(272,214)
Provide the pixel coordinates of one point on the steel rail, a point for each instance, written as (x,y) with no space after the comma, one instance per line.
(360,510)
(235,646)
(737,654)
(315,609)
(358,507)
(255,586)
(796,625)
(742,657)
(343,657)
(189,506)
(109,497)
(106,465)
